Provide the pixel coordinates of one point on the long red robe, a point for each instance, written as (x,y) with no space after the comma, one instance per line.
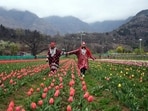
(82,59)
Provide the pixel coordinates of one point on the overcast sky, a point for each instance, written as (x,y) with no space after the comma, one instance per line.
(86,10)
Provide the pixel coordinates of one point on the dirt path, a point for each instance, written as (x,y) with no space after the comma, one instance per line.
(127,62)
(14,61)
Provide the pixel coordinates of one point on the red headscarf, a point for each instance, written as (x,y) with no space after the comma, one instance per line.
(52,44)
(83,45)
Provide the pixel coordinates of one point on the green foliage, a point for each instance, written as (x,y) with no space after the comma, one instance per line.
(8,48)
(120,49)
(2,47)
(138,51)
(13,48)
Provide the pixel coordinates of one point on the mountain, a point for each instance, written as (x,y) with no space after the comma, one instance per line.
(107,26)
(25,20)
(68,24)
(131,32)
(53,24)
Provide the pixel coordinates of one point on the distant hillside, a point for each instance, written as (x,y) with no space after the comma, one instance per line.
(108,26)
(132,31)
(53,24)
(24,20)
(68,24)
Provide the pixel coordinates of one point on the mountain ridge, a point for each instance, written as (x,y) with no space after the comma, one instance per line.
(52,25)
(128,35)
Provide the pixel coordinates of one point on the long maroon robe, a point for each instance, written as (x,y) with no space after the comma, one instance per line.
(54,60)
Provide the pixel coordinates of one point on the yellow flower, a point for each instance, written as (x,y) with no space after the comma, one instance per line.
(119,85)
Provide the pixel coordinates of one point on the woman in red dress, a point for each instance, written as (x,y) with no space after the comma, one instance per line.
(83,54)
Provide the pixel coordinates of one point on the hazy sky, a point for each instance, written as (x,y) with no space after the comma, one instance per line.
(86,10)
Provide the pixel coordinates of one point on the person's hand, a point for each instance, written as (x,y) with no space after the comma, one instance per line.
(94,58)
(64,53)
(46,59)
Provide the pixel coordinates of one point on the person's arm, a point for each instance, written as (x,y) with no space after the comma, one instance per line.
(90,54)
(47,57)
(62,53)
(72,52)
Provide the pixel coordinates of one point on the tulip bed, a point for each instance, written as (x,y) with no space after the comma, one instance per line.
(127,83)
(30,86)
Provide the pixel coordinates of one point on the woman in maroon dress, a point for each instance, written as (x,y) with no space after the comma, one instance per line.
(53,57)
(83,54)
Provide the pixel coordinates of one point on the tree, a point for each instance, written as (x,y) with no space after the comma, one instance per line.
(2,47)
(120,49)
(8,48)
(35,41)
(138,51)
(13,48)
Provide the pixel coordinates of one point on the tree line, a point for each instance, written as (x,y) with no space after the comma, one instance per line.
(13,41)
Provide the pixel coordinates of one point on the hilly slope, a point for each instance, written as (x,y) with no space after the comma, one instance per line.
(53,24)
(134,30)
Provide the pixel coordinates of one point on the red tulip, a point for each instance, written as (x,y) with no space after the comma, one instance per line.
(60,79)
(44,95)
(31,89)
(86,95)
(69,108)
(56,87)
(11,104)
(29,93)
(81,78)
(49,87)
(61,85)
(72,76)
(84,88)
(72,89)
(10,109)
(11,81)
(23,109)
(90,98)
(83,83)
(70,99)
(38,89)
(45,90)
(2,85)
(51,101)
(42,85)
(33,105)
(40,102)
(18,108)
(52,84)
(53,80)
(56,94)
